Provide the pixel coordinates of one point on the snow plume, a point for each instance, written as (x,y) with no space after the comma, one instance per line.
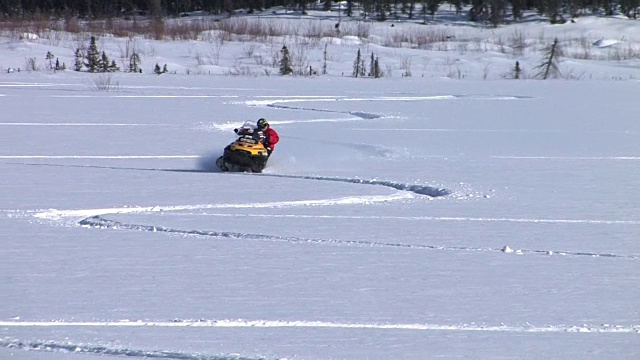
(207,162)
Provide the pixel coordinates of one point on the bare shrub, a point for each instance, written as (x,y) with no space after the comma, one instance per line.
(360,29)
(300,59)
(249,50)
(477,44)
(274,56)
(499,41)
(626,53)
(569,75)
(420,37)
(157,29)
(456,73)
(241,71)
(30,64)
(96,27)
(485,71)
(216,48)
(462,47)
(389,70)
(104,82)
(517,41)
(201,60)
(254,28)
(54,38)
(71,24)
(187,30)
(405,66)
(196,71)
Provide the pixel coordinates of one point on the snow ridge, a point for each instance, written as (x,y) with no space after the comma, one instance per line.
(102,223)
(54,214)
(417,189)
(54,346)
(243,323)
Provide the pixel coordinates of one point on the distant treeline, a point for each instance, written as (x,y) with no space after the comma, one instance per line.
(493,11)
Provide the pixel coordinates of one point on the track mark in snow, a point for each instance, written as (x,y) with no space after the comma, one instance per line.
(232,125)
(19,84)
(417,189)
(357,114)
(568,157)
(277,102)
(146,96)
(80,124)
(523,131)
(102,223)
(54,214)
(241,323)
(99,157)
(269,101)
(428,190)
(69,347)
(447,218)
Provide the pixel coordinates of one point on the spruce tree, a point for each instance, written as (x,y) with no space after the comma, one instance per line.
(324,63)
(165,69)
(377,73)
(356,65)
(134,62)
(93,56)
(157,69)
(50,57)
(79,60)
(104,63)
(113,67)
(285,62)
(517,71)
(371,65)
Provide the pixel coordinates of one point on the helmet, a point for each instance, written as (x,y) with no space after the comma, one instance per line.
(262,124)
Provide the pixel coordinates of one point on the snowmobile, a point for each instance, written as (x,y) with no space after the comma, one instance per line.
(247,153)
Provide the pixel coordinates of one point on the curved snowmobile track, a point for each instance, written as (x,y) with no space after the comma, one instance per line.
(277,102)
(417,189)
(360,114)
(428,190)
(119,350)
(242,323)
(103,223)
(76,348)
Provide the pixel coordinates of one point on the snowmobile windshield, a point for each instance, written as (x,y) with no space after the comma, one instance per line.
(249,132)
(249,125)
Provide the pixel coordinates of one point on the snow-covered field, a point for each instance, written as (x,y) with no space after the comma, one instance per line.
(398,218)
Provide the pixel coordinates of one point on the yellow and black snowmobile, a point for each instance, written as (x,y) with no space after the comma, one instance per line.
(247,153)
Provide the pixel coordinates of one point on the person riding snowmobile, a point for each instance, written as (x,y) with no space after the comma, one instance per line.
(271,137)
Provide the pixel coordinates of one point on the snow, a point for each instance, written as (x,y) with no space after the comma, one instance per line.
(399,218)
